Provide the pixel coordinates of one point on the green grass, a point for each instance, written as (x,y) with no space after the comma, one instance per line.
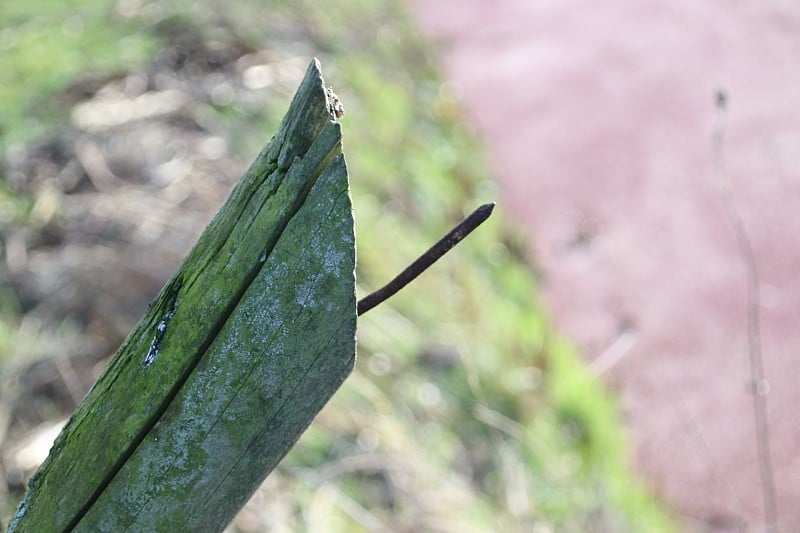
(483,417)
(46,44)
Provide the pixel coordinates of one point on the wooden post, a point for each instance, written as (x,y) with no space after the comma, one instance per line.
(233,359)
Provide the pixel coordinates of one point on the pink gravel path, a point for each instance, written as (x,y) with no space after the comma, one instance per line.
(598,118)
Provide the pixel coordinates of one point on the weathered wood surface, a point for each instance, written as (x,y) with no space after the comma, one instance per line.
(234,358)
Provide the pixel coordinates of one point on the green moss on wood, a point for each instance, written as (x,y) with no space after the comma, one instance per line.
(233,359)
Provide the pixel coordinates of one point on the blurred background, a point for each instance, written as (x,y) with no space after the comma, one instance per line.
(644,158)
(651,151)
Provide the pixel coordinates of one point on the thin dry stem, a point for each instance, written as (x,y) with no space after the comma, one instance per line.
(757,374)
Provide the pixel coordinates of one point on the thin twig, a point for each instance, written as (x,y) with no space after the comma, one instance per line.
(759,382)
(436,251)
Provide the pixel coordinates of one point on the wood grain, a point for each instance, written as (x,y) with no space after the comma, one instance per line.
(233,359)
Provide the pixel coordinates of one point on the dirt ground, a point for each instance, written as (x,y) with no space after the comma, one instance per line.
(599,123)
